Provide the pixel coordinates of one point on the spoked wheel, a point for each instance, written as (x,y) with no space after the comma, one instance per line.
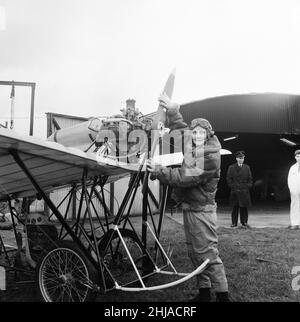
(117,259)
(66,275)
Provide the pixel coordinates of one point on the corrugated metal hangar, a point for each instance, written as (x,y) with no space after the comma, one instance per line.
(266,126)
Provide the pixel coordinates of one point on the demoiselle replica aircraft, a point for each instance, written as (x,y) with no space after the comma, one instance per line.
(73,261)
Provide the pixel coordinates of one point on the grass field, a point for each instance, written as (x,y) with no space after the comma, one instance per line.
(258,263)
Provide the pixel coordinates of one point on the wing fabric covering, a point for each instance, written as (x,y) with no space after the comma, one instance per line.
(51,164)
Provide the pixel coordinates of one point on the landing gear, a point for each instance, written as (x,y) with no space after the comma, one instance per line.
(93,254)
(65,274)
(118,261)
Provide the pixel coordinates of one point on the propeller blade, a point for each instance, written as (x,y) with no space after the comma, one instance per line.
(160,117)
(169,86)
(158,123)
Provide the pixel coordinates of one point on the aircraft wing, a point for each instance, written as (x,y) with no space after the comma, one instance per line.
(50,163)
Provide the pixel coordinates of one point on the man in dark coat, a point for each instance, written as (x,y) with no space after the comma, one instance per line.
(239,180)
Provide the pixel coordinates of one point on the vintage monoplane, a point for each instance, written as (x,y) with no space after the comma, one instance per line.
(77,259)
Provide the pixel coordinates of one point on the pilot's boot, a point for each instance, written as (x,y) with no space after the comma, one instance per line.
(202,296)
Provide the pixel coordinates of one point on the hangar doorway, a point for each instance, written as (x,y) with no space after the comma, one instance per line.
(266,126)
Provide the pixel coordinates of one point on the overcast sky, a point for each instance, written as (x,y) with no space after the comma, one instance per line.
(88,57)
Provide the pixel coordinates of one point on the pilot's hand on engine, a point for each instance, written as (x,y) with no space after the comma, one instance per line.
(165,102)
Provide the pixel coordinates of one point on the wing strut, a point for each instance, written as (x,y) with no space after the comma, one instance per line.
(50,204)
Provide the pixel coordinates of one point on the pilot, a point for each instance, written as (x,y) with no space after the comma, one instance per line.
(197,187)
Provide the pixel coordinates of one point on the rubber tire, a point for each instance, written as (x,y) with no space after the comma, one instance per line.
(71,248)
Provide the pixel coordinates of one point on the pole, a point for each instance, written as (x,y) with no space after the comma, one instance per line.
(32,85)
(32,109)
(12,106)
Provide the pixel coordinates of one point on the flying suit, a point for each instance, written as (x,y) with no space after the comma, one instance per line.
(196,187)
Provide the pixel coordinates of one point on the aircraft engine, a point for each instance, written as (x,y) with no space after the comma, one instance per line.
(123,141)
(115,132)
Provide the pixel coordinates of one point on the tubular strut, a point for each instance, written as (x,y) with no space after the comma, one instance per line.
(146,225)
(186,277)
(50,204)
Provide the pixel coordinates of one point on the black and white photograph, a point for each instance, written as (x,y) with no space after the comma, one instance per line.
(150,154)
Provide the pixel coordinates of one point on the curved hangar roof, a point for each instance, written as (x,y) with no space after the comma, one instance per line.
(269,113)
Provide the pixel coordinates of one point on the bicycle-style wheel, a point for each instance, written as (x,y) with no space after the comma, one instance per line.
(66,275)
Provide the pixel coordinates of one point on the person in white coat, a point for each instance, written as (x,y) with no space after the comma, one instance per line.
(294,187)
